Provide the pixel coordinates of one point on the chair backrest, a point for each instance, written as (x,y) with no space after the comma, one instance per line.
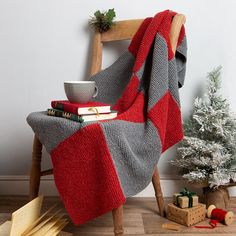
(124,30)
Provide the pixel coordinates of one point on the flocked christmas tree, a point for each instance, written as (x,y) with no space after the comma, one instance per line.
(208,151)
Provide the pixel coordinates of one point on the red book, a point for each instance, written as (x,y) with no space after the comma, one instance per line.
(81,108)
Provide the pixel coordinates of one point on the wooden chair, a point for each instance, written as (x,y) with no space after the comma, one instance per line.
(123,30)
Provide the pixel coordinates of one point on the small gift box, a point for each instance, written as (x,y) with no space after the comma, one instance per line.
(187,216)
(185,199)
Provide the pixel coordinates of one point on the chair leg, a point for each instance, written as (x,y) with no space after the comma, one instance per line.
(117,215)
(35,168)
(158,192)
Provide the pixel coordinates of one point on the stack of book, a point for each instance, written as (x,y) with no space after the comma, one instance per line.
(81,112)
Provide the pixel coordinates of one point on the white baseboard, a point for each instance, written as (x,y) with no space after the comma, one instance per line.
(19,185)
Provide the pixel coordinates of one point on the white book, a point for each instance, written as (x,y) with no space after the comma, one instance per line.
(93,110)
(93,117)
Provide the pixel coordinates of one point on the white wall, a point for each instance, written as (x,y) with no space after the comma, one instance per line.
(44,42)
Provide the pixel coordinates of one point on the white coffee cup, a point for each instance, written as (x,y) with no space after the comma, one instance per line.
(80,91)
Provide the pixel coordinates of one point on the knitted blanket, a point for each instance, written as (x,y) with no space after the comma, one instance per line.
(97,165)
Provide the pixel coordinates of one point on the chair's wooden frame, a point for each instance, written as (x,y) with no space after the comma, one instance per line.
(122,30)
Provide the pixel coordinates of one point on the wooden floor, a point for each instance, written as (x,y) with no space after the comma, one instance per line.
(140,218)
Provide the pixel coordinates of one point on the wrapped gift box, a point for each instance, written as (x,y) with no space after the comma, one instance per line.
(187,216)
(184,201)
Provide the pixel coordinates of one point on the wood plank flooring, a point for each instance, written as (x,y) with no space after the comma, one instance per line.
(140,218)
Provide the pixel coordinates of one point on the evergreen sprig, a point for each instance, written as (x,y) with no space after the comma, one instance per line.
(103,21)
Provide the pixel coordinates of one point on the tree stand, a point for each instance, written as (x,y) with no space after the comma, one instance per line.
(218,197)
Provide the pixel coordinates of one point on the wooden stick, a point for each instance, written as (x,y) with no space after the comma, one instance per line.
(96,54)
(117,214)
(177,22)
(171,226)
(158,192)
(37,221)
(35,168)
(56,228)
(47,172)
(43,221)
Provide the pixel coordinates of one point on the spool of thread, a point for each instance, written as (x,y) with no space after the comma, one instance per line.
(222,216)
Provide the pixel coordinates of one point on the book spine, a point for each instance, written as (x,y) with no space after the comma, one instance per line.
(67,115)
(64,107)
